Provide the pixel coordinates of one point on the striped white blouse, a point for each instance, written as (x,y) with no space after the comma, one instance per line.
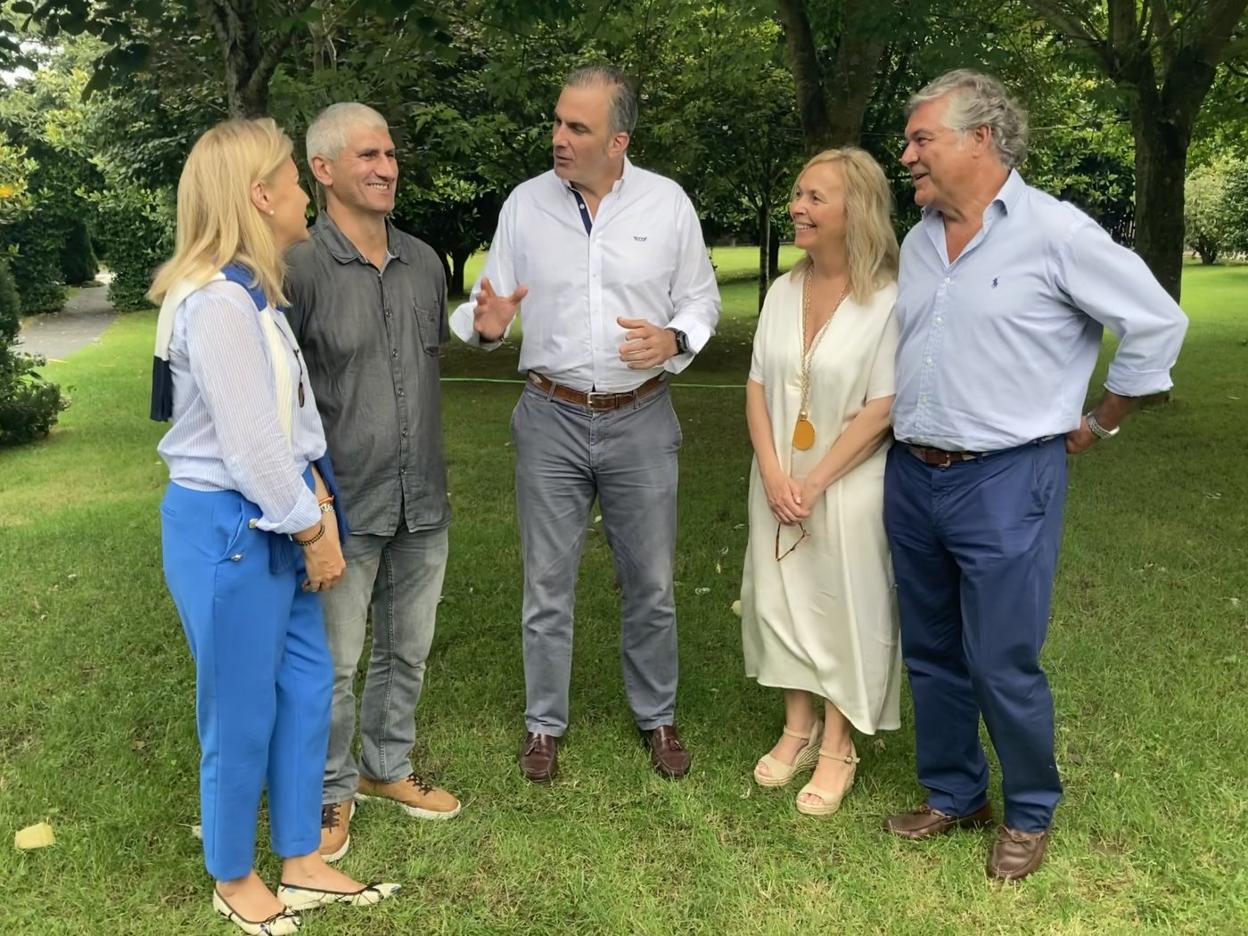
(226,433)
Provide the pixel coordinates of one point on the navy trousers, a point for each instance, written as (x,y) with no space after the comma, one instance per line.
(263,677)
(975,549)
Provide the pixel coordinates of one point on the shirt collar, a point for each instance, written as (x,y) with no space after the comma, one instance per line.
(1011,191)
(341,248)
(619,183)
(1007,196)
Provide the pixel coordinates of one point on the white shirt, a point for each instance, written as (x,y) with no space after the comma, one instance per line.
(644,258)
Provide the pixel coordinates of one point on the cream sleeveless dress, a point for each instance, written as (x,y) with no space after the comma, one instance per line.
(825,618)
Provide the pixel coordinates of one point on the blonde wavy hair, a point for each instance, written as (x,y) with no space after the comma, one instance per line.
(870,242)
(217,222)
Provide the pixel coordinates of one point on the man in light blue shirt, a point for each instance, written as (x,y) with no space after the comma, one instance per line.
(1003,296)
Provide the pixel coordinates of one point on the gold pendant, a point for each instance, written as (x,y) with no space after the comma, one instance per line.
(803,433)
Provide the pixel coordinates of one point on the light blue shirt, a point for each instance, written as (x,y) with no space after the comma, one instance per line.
(226,435)
(997,347)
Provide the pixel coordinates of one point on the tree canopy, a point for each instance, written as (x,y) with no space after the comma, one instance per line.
(734,95)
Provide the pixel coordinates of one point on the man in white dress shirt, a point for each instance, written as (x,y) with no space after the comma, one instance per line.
(620,293)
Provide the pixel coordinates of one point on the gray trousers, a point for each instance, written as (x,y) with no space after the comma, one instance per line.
(565,455)
(401,576)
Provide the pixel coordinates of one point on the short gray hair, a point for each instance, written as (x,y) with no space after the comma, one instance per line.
(327,134)
(623,115)
(979,100)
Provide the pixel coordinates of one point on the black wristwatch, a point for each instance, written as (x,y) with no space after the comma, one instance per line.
(682,341)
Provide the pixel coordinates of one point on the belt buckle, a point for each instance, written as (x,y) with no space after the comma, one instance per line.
(948,456)
(606,397)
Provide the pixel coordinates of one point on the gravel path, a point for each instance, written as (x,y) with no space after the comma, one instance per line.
(58,335)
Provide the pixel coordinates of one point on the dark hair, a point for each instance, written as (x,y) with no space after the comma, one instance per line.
(623,97)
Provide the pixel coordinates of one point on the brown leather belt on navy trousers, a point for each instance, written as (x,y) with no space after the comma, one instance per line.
(939,457)
(942,458)
(593,400)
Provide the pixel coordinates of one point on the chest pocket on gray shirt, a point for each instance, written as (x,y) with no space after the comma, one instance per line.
(429,325)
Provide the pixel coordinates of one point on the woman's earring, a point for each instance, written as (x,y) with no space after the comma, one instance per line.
(272,212)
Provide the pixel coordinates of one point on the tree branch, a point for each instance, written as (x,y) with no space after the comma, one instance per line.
(1067,21)
(1077,28)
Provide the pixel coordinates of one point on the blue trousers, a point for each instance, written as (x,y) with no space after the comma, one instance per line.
(263,677)
(975,549)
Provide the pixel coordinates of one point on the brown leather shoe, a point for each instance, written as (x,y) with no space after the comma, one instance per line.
(336,829)
(1016,854)
(925,822)
(667,755)
(539,757)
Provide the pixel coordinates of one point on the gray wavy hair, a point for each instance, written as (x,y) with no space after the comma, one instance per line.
(328,133)
(979,100)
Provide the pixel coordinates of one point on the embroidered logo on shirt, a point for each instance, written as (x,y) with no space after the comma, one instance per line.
(639,237)
(994,282)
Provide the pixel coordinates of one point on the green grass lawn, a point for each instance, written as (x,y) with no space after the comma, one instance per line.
(1148,658)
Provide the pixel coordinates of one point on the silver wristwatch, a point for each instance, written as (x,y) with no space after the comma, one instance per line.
(1097,429)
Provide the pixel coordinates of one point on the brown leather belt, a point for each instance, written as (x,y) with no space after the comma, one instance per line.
(592,400)
(939,457)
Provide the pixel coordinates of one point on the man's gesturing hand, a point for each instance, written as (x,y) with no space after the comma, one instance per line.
(646,345)
(493,313)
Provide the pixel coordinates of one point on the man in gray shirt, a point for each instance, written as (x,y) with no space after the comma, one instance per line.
(368,305)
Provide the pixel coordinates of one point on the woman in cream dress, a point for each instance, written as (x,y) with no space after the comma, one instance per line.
(819,617)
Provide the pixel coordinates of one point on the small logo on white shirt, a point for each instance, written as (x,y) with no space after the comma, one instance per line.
(639,237)
(994,282)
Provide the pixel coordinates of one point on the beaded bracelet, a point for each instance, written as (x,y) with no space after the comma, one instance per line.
(311,540)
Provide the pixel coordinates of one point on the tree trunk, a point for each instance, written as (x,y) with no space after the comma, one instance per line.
(832,102)
(774,264)
(1160,165)
(455,285)
(249,61)
(765,274)
(1162,112)
(803,58)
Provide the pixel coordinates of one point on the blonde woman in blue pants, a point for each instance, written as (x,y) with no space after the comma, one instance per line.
(248,526)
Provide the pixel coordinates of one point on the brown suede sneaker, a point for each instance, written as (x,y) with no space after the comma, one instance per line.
(1015,854)
(925,822)
(418,798)
(336,829)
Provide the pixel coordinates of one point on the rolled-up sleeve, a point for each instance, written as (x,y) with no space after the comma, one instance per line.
(1112,285)
(695,294)
(233,374)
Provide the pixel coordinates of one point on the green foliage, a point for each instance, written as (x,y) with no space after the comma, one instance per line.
(34,246)
(1206,218)
(44,115)
(1081,146)
(136,226)
(15,170)
(10,306)
(1215,210)
(29,405)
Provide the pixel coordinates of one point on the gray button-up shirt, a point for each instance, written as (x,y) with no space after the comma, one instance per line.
(370,340)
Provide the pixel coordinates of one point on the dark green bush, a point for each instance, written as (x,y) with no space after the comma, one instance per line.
(29,405)
(36,262)
(78,263)
(135,227)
